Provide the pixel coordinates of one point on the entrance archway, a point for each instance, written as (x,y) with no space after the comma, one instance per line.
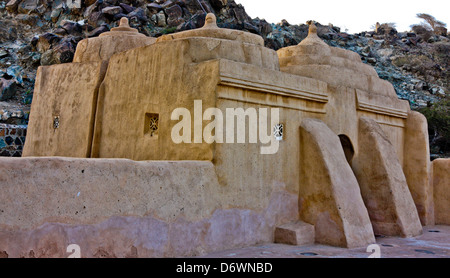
(347,145)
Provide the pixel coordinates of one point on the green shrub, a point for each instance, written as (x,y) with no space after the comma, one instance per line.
(438,116)
(169,30)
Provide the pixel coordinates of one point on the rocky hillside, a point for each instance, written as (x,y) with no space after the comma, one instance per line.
(41,32)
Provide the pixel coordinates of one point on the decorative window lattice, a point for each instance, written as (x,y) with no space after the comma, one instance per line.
(55,122)
(152,124)
(278,131)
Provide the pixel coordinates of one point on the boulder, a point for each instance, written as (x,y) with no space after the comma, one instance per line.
(161,19)
(99,30)
(12,6)
(47,58)
(90,9)
(96,19)
(112,10)
(89,2)
(218,4)
(71,27)
(139,14)
(27,6)
(154,7)
(127,8)
(54,15)
(386,29)
(46,41)
(174,15)
(65,50)
(3,53)
(27,19)
(15,72)
(61,52)
(7,89)
(197,21)
(239,14)
(263,26)
(167,4)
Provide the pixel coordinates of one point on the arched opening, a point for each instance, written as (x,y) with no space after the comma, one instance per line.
(349,151)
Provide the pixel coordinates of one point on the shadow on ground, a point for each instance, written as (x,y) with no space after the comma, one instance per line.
(433,243)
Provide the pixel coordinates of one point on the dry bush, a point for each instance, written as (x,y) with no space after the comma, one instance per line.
(429,26)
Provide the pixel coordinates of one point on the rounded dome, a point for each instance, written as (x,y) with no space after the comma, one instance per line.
(119,39)
(210,30)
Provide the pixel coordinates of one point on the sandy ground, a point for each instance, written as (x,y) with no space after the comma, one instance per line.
(433,243)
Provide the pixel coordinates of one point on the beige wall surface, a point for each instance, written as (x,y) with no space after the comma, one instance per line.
(151,80)
(124,208)
(417,166)
(69,92)
(160,198)
(441,187)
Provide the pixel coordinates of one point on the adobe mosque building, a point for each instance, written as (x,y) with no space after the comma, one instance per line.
(122,160)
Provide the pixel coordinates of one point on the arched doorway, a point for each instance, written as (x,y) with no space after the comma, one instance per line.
(347,145)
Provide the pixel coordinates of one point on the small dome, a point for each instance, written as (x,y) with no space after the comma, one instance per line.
(337,66)
(123,29)
(119,39)
(210,30)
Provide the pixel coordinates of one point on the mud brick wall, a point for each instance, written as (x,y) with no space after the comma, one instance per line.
(12,139)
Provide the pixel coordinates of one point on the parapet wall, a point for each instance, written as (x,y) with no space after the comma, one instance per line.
(122,208)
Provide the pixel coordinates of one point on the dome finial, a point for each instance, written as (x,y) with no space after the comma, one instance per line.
(210,21)
(124,22)
(312,27)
